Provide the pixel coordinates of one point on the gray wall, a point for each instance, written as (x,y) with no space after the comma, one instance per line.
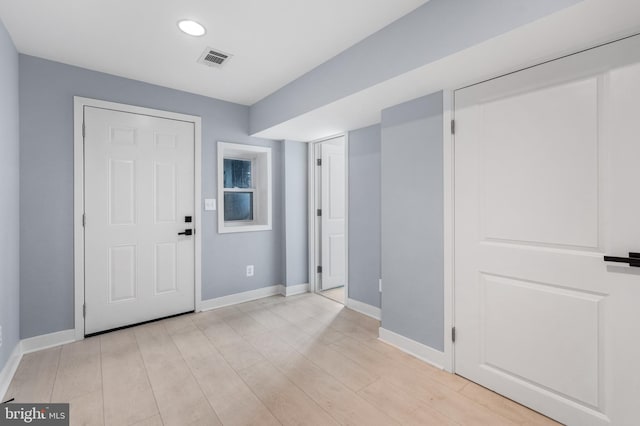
(412,220)
(296,213)
(9,194)
(364,215)
(46,187)
(437,29)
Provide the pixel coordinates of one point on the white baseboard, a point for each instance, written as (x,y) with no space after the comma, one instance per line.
(292,290)
(423,352)
(29,345)
(46,341)
(247,296)
(6,375)
(364,308)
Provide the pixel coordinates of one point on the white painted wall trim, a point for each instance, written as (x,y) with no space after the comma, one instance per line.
(247,296)
(311,202)
(292,290)
(26,346)
(9,370)
(78,196)
(47,341)
(364,308)
(420,351)
(346,215)
(448,174)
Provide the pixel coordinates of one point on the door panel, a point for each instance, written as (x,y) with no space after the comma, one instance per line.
(556,127)
(139,186)
(567,345)
(545,165)
(333,214)
(166,268)
(165,192)
(122,273)
(122,202)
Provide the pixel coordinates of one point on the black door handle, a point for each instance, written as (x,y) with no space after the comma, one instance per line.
(632,260)
(186,232)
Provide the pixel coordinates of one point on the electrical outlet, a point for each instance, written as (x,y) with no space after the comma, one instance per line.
(249,270)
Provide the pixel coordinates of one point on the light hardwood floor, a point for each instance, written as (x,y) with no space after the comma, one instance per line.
(336,294)
(302,360)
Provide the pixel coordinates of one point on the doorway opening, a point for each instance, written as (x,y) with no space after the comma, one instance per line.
(328,251)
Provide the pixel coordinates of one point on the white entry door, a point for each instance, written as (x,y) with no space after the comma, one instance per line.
(547,165)
(333,192)
(139,189)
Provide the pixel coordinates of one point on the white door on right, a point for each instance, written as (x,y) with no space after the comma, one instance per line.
(547,168)
(333,193)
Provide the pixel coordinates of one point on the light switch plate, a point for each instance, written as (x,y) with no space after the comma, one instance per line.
(209,204)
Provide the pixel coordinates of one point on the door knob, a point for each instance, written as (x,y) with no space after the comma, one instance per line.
(632,260)
(186,232)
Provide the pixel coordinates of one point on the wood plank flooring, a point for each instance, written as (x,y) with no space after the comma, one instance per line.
(302,360)
(336,294)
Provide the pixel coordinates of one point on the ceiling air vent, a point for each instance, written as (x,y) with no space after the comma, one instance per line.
(214,57)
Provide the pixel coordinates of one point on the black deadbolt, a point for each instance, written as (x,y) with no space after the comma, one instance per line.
(187,219)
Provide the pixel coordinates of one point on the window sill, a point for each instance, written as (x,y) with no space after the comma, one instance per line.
(228,229)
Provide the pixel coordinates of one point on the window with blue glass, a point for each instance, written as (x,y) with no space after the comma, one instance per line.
(244,187)
(238,191)
(238,206)
(237,173)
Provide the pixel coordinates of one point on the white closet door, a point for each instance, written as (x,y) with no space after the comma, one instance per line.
(333,214)
(547,165)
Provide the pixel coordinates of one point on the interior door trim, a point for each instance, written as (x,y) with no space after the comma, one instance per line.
(78,196)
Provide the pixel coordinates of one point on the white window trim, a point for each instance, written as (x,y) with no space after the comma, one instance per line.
(262,190)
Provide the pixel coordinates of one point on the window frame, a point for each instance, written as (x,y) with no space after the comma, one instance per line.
(261,188)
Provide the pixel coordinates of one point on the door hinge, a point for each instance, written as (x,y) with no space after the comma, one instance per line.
(453,127)
(319,269)
(84,311)
(319,212)
(83,130)
(84,220)
(319,162)
(453,334)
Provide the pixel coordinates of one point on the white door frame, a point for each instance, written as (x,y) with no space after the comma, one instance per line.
(313,283)
(448,163)
(78,195)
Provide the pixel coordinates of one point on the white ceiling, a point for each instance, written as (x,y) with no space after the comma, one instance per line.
(273,42)
(279,40)
(584,25)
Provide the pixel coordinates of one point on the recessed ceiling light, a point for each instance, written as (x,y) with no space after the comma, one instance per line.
(190,27)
